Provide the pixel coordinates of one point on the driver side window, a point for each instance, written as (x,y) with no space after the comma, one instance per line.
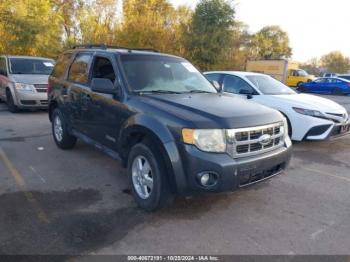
(103,68)
(234,84)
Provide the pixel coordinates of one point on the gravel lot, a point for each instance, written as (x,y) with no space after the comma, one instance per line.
(78,202)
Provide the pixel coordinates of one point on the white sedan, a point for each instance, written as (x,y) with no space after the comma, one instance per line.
(309,117)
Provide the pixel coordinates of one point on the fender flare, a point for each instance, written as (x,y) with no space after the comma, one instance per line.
(153,128)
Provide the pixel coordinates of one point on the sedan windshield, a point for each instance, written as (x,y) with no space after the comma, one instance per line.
(31,66)
(163,74)
(270,86)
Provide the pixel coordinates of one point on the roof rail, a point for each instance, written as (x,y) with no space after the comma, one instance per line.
(104,47)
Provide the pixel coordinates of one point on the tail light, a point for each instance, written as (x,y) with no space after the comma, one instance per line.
(49,88)
(348,85)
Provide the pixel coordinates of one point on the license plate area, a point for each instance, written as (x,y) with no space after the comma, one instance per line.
(344,129)
(249,177)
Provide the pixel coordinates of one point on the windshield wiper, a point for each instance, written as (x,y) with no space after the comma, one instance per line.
(200,91)
(158,92)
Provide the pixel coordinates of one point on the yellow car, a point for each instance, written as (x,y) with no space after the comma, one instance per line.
(286,71)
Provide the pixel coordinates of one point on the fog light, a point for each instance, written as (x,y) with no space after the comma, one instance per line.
(207,179)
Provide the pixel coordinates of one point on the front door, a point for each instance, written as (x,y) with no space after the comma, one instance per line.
(105,112)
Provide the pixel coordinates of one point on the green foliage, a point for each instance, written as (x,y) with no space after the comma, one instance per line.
(29,27)
(335,62)
(210,33)
(210,36)
(271,42)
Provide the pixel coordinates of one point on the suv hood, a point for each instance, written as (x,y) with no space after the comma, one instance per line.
(213,110)
(308,102)
(30,79)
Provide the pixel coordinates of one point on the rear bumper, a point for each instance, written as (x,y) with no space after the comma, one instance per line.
(232,173)
(31,100)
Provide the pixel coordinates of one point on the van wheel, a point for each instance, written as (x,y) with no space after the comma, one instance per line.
(298,85)
(62,137)
(10,102)
(148,177)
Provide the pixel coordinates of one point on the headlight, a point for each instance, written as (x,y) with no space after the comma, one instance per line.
(308,112)
(208,140)
(25,87)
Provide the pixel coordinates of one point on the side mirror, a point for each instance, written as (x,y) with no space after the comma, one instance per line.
(216,85)
(246,92)
(104,86)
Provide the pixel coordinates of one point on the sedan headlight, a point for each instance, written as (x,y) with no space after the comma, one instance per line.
(308,112)
(25,87)
(208,140)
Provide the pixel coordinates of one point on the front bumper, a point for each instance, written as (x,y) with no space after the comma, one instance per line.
(232,173)
(328,131)
(31,99)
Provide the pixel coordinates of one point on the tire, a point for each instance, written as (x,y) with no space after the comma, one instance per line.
(10,102)
(298,85)
(301,89)
(60,133)
(338,92)
(156,194)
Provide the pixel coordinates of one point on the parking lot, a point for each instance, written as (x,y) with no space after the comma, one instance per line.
(78,202)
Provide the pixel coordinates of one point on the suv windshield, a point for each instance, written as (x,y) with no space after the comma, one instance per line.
(31,66)
(163,74)
(270,86)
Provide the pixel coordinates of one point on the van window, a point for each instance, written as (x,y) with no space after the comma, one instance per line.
(103,68)
(79,70)
(61,66)
(3,69)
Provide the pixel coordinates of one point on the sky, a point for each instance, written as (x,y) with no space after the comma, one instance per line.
(315,27)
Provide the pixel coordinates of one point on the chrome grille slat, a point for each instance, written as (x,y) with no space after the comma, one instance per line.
(246,141)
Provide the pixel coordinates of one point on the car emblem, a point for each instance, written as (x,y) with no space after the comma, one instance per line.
(265,139)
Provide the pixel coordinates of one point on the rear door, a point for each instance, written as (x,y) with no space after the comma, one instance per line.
(79,93)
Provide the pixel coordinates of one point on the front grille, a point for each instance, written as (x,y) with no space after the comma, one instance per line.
(255,140)
(44,102)
(41,88)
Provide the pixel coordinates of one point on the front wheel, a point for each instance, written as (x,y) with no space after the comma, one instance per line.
(302,89)
(10,102)
(61,135)
(148,177)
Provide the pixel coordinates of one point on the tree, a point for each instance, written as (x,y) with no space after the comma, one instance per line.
(312,66)
(335,62)
(271,42)
(209,36)
(151,24)
(29,27)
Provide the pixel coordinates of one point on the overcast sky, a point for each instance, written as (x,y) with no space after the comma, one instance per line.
(314,27)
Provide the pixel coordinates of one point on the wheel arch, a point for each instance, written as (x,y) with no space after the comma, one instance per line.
(140,128)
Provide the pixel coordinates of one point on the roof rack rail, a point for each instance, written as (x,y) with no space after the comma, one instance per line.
(104,47)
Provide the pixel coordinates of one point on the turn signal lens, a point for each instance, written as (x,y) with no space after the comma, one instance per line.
(188,136)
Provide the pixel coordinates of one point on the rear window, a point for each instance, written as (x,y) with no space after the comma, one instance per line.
(61,65)
(29,66)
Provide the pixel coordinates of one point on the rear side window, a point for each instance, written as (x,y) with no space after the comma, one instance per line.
(79,70)
(3,70)
(61,65)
